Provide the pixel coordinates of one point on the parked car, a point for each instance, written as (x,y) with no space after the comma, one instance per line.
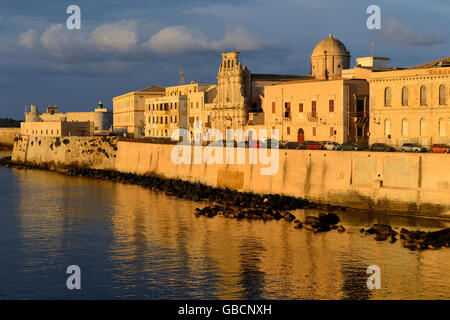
(294,145)
(331,145)
(313,145)
(382,147)
(257,144)
(440,148)
(273,143)
(348,146)
(412,147)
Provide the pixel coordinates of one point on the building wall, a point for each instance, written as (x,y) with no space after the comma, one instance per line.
(102,120)
(56,128)
(129,111)
(326,123)
(396,123)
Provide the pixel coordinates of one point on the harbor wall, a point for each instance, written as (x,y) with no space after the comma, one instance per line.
(412,183)
(7,136)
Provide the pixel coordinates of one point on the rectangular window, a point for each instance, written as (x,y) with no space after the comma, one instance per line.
(313,109)
(273,107)
(331,105)
(300,107)
(288,130)
(331,131)
(287,109)
(314,131)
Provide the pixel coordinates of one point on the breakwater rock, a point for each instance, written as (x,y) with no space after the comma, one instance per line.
(420,240)
(323,223)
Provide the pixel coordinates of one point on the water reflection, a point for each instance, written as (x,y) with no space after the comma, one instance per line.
(134,243)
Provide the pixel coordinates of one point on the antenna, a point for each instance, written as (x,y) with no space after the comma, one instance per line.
(372,49)
(181,74)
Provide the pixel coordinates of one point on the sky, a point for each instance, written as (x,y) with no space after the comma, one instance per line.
(129,45)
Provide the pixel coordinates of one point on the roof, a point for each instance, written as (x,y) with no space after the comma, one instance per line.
(332,46)
(153,89)
(445,62)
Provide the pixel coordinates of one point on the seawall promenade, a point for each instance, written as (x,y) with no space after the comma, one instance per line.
(412,183)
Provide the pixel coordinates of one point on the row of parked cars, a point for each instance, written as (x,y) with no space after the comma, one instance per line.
(348,146)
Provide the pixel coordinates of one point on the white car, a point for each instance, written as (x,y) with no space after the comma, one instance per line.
(332,146)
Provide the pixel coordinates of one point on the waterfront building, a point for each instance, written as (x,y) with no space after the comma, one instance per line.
(181,107)
(101,117)
(411,105)
(128,111)
(57,128)
(333,110)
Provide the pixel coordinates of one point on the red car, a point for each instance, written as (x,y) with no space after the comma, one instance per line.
(313,145)
(440,148)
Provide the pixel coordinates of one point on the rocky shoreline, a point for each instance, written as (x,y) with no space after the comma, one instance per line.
(245,205)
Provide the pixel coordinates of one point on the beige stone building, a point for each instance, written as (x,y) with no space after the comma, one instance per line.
(181,107)
(332,110)
(101,117)
(411,105)
(128,111)
(57,128)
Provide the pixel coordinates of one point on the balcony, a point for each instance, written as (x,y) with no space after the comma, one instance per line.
(312,116)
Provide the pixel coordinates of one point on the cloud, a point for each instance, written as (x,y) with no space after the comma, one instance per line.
(29,39)
(182,39)
(396,32)
(177,39)
(62,43)
(117,37)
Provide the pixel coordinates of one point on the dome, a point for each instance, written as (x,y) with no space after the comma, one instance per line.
(332,46)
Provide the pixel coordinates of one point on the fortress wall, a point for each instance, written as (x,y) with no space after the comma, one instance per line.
(379,181)
(7,136)
(92,152)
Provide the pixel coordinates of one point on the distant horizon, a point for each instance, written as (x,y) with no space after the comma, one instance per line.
(124,47)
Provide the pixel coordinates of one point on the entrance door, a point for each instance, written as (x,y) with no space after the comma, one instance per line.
(301,136)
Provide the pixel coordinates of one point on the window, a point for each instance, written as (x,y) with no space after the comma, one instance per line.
(423,127)
(359,131)
(287,109)
(273,107)
(288,130)
(405,127)
(300,107)
(442,128)
(314,131)
(387,97)
(387,127)
(197,105)
(331,131)
(442,95)
(313,109)
(405,96)
(423,96)
(331,105)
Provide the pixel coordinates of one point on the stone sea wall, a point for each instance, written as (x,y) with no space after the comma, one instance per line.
(380,181)
(82,152)
(7,136)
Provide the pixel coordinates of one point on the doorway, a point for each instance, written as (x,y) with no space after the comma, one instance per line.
(301,136)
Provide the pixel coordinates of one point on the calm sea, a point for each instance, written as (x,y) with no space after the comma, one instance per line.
(134,243)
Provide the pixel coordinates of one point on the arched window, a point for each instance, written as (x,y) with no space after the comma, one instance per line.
(405,127)
(442,95)
(405,96)
(387,97)
(442,127)
(387,127)
(423,127)
(423,96)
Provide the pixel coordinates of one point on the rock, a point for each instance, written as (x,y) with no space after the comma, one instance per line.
(289,216)
(299,225)
(341,228)
(361,230)
(381,231)
(327,219)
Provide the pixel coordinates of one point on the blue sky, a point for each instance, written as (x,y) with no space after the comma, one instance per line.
(129,45)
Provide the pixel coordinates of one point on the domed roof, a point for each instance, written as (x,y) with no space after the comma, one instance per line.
(332,46)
